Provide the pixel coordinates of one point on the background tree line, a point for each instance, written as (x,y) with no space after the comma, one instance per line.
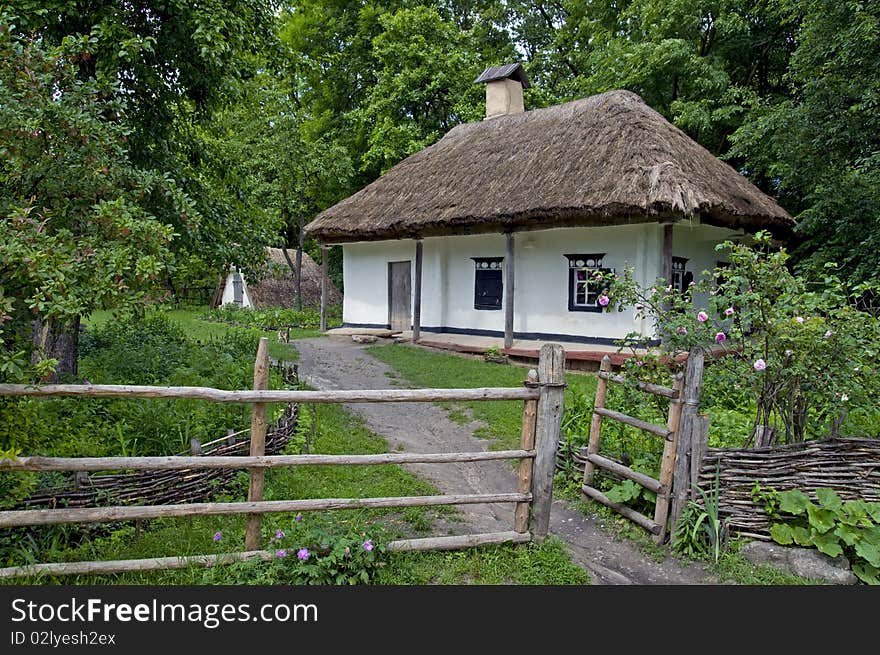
(146,144)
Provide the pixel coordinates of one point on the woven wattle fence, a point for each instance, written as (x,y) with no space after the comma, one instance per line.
(162,487)
(849,466)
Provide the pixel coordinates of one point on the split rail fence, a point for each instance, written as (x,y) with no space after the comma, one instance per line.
(542,395)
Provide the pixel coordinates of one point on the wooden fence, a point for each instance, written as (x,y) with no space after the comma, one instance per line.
(849,466)
(684,428)
(542,394)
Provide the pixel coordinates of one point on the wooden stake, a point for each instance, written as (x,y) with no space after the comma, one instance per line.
(323,288)
(596,423)
(551,377)
(693,388)
(417,294)
(527,442)
(509,292)
(667,462)
(258,444)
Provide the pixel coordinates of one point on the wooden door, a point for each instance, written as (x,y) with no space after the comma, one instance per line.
(399,296)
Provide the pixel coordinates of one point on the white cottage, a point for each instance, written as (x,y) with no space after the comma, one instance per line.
(494,229)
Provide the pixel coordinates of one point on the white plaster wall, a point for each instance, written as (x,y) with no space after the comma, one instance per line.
(541,300)
(541,287)
(365,278)
(229,292)
(697,243)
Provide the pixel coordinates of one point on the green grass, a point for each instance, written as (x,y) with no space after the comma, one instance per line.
(502,418)
(200,330)
(529,564)
(337,432)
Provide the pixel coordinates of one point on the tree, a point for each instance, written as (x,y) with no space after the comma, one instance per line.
(78,232)
(175,64)
(820,144)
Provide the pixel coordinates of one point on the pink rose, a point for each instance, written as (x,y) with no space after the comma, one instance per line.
(720,337)
(760,365)
(702,317)
(729,311)
(604,300)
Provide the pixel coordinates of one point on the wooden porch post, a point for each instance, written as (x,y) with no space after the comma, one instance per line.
(417,294)
(323,288)
(667,252)
(509,292)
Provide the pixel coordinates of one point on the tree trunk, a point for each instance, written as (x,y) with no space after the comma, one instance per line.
(299,265)
(55,341)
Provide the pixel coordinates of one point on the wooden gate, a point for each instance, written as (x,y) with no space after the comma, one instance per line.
(669,434)
(399,296)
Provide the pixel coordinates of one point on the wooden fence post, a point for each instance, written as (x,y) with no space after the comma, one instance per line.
(667,462)
(324,290)
(693,388)
(596,423)
(526,466)
(258,445)
(551,377)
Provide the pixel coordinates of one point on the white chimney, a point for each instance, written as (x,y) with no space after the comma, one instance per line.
(504,89)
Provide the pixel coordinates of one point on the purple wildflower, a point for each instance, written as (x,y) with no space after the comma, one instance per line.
(367,545)
(298,518)
(828,334)
(281,553)
(303,554)
(86,382)
(279,534)
(720,337)
(218,536)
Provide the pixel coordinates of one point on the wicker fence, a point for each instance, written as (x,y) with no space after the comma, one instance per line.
(162,487)
(849,466)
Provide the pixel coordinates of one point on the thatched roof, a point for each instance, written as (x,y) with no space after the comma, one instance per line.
(278,288)
(605,160)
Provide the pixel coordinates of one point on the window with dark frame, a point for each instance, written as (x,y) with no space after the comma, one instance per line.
(488,282)
(584,287)
(681,277)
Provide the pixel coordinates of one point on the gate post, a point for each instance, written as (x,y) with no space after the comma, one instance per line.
(693,389)
(551,379)
(258,446)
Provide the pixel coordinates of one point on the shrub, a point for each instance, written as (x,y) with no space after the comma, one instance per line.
(834,527)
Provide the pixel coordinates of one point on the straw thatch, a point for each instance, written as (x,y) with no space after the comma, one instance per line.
(605,160)
(277,288)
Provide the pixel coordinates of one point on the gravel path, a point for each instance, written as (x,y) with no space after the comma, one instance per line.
(339,363)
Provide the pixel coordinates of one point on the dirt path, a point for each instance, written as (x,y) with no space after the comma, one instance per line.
(339,363)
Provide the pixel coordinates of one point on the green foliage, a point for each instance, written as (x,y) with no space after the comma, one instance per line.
(274,318)
(311,555)
(834,527)
(79,231)
(701,532)
(797,350)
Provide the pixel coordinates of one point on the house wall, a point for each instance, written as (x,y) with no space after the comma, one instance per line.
(229,292)
(541,288)
(365,279)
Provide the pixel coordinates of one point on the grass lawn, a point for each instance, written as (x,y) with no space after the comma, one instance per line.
(201,330)
(503,418)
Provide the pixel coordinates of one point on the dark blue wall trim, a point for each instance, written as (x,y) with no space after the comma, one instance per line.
(537,336)
(371,326)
